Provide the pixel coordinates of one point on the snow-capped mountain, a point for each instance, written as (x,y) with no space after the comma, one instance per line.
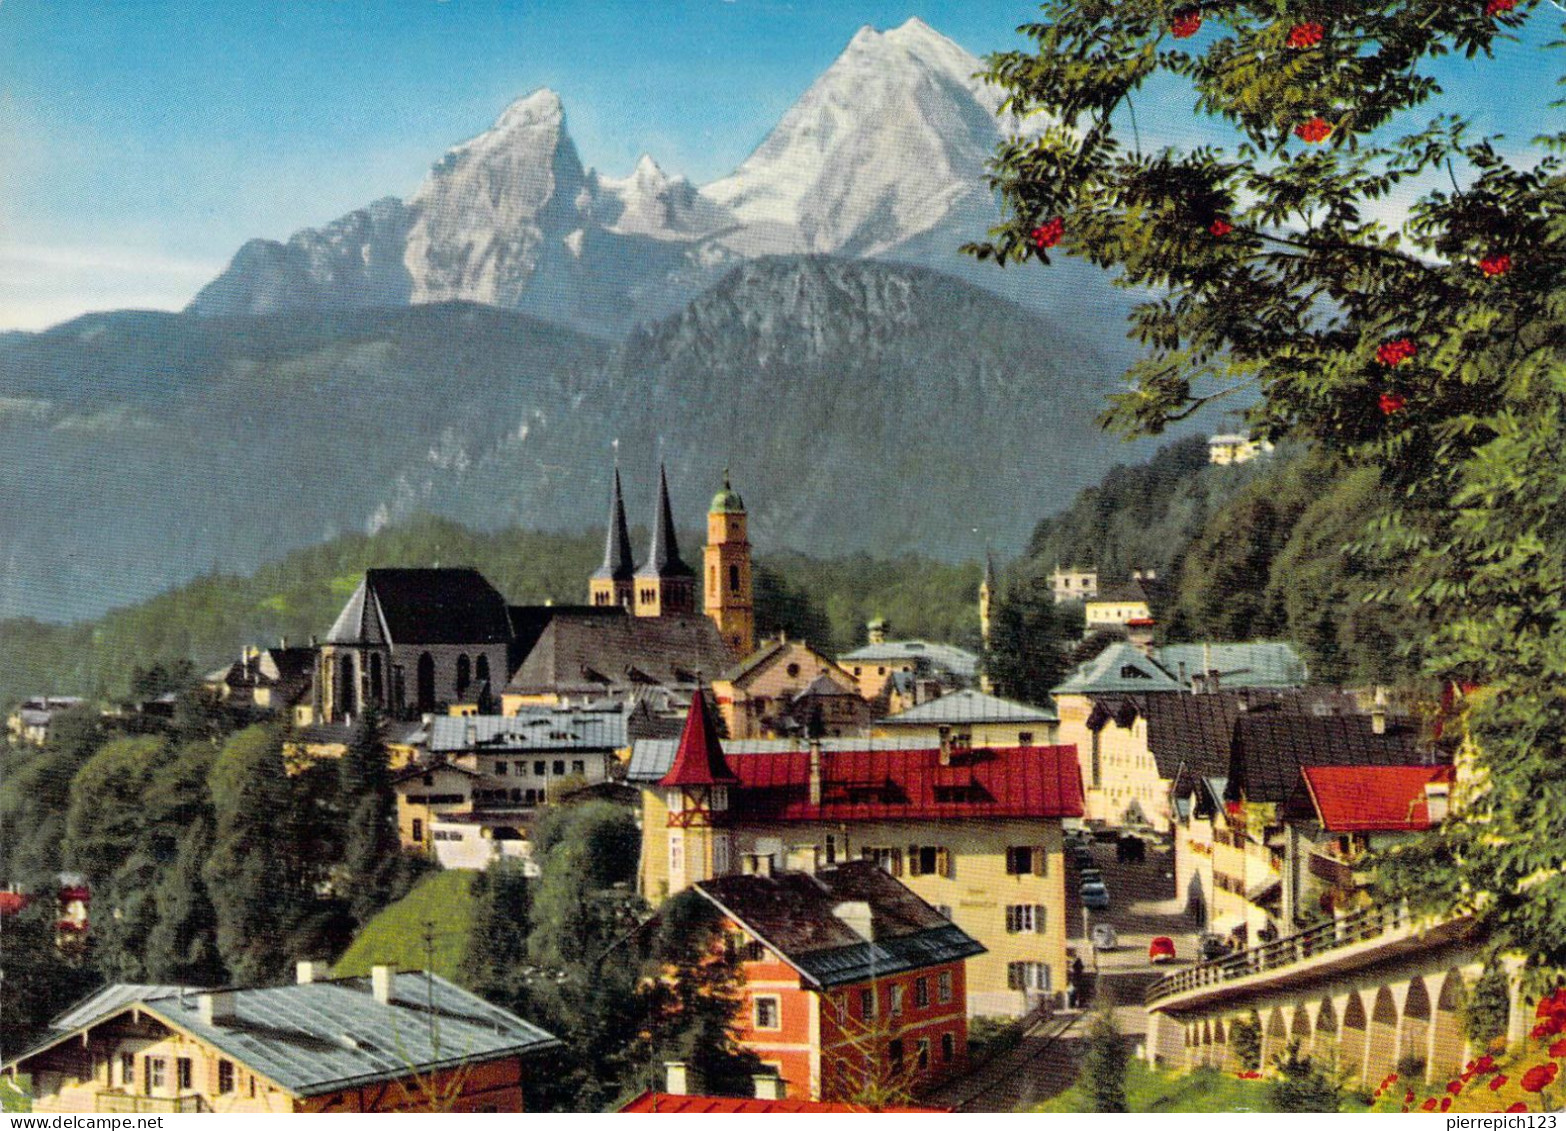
(882,157)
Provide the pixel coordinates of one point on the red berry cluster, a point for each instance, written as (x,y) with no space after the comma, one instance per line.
(1396,352)
(1220,227)
(1493,265)
(1392,402)
(1317,129)
(1048,233)
(1186,23)
(1496,7)
(1302,36)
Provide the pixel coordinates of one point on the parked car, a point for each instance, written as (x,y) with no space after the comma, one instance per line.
(1095,896)
(1104,937)
(1161,949)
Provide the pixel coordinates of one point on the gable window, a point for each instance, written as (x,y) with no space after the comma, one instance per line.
(768,1013)
(1024,738)
(225,1076)
(1026,860)
(1025,918)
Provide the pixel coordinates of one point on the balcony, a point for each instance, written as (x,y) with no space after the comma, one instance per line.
(126,1102)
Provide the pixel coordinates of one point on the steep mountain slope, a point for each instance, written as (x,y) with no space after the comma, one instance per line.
(882,157)
(862,406)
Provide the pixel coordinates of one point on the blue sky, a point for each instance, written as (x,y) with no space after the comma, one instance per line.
(141,143)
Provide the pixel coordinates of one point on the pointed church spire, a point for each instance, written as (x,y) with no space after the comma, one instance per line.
(618,563)
(663,556)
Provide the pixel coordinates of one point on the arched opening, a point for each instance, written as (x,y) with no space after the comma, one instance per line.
(1207,1044)
(1299,1030)
(1353,1037)
(1324,1041)
(481,671)
(1276,1039)
(1414,1038)
(1381,1059)
(1448,1045)
(426,682)
(377,681)
(464,676)
(347,700)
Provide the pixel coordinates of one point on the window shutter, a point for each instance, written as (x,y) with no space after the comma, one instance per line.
(913,860)
(943,863)
(1039,860)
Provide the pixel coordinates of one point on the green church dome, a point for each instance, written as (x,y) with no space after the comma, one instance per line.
(727,501)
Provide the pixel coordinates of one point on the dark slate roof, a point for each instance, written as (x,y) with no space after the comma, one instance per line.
(663,556)
(1195,733)
(599,651)
(423,606)
(319,1037)
(792,914)
(1270,749)
(618,563)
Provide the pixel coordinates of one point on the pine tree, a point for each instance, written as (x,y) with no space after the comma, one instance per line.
(1429,350)
(182,947)
(256,879)
(40,981)
(372,868)
(1106,1061)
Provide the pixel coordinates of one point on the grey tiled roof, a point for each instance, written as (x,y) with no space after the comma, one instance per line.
(596,653)
(319,1037)
(530,730)
(962,707)
(959,661)
(1120,667)
(1261,664)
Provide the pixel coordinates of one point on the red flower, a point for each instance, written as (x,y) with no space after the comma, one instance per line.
(1396,352)
(1455,1087)
(1317,129)
(1485,1063)
(1517,1107)
(1302,36)
(1493,265)
(1496,7)
(1408,1099)
(1446,1103)
(1428,1105)
(1558,1048)
(1391,1079)
(1392,402)
(1186,23)
(1220,227)
(1048,233)
(1554,1003)
(1539,1077)
(1498,1083)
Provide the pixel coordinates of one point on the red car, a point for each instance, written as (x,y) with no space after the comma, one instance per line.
(1161,949)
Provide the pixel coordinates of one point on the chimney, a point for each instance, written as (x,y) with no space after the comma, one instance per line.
(946,744)
(768,1086)
(1438,800)
(307,972)
(282,642)
(680,1079)
(382,979)
(216,1008)
(855,915)
(1378,712)
(815,771)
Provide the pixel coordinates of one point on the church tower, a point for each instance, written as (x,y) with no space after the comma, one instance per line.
(986,606)
(613,583)
(665,585)
(727,597)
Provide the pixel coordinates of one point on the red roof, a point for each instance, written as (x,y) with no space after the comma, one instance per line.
(699,759)
(1372,798)
(665,1102)
(868,785)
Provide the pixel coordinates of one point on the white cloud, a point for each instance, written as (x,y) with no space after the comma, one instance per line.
(41,286)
